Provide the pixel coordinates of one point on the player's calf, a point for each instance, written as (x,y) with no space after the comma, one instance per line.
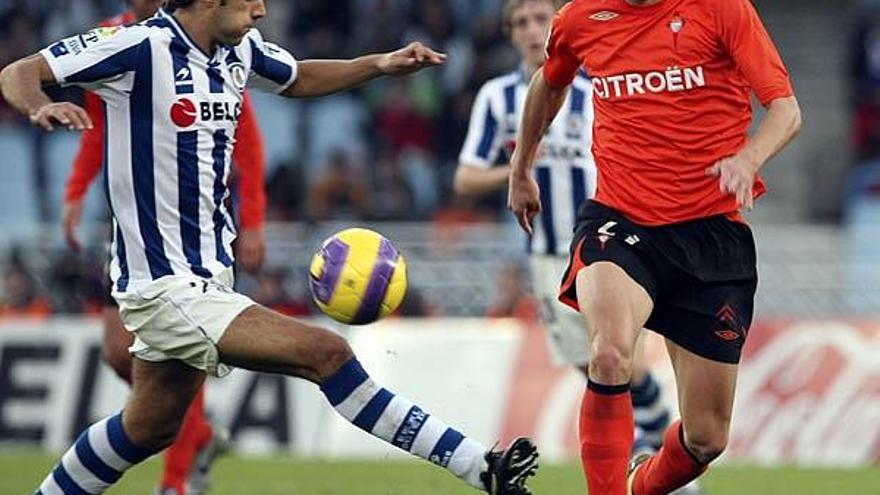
(159,400)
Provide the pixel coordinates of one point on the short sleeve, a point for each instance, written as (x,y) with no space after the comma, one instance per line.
(753,51)
(273,69)
(561,63)
(483,142)
(96,58)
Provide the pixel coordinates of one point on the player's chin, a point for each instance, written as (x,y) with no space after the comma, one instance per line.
(235,39)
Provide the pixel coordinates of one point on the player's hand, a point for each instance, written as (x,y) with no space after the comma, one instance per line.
(71,217)
(64,113)
(736,176)
(524,200)
(251,249)
(412,58)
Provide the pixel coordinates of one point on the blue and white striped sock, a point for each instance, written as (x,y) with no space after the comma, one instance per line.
(403,424)
(650,412)
(95,462)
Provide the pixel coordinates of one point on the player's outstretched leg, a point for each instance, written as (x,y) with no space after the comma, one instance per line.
(293,348)
(161,394)
(615,308)
(706,391)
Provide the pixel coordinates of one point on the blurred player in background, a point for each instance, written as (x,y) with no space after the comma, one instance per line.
(189,458)
(566,174)
(172,89)
(663,245)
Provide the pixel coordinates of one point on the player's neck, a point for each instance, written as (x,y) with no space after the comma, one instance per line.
(198,29)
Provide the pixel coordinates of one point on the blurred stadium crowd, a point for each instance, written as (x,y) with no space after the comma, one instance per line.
(376,154)
(388,151)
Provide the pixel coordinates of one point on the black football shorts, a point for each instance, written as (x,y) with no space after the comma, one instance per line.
(701,275)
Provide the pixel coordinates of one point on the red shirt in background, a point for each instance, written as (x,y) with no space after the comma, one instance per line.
(248,154)
(672,82)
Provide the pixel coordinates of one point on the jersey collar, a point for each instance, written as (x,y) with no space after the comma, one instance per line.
(181,33)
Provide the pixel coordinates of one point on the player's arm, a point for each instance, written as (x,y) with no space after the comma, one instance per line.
(750,46)
(22,86)
(547,92)
(778,128)
(324,77)
(473,180)
(93,60)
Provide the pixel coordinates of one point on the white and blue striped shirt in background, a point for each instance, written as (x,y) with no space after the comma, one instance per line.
(171,112)
(565,170)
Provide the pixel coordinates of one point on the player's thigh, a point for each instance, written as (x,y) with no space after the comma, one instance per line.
(706,391)
(161,394)
(609,277)
(614,305)
(262,340)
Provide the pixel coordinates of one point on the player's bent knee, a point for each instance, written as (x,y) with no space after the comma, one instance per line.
(609,365)
(706,444)
(333,351)
(152,434)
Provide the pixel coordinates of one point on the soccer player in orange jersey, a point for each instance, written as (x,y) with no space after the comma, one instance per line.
(663,245)
(189,458)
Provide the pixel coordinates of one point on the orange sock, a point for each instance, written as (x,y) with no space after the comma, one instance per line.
(194,433)
(606,431)
(672,467)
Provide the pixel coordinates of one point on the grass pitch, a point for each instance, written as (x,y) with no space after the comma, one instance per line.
(21,472)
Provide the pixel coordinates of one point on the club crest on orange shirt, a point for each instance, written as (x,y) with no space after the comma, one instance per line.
(676,24)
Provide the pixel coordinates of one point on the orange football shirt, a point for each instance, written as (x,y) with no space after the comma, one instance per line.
(672,85)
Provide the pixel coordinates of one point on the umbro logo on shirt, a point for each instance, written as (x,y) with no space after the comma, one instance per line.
(604,16)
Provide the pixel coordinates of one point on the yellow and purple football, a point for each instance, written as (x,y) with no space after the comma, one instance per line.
(357,277)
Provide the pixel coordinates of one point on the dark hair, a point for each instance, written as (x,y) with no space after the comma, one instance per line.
(172,5)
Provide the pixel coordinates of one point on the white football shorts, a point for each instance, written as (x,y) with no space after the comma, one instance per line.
(182,317)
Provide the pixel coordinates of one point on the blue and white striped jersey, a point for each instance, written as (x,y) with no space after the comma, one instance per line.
(565,170)
(171,112)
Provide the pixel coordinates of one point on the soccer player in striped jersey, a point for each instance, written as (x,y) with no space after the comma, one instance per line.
(171,89)
(188,460)
(566,174)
